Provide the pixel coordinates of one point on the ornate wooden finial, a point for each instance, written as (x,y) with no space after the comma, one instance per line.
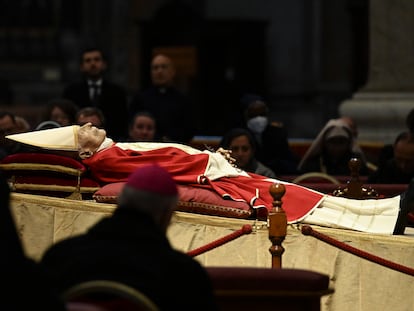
(354,165)
(277,223)
(354,187)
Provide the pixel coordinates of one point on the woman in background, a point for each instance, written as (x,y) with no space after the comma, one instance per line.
(62,111)
(331,151)
(243,149)
(142,127)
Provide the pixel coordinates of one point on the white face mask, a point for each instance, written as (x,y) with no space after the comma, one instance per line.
(257,124)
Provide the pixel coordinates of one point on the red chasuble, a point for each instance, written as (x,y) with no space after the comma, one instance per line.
(115,164)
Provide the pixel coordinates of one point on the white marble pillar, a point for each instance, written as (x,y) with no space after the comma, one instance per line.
(381,106)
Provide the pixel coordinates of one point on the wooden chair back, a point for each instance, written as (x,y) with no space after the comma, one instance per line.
(106,295)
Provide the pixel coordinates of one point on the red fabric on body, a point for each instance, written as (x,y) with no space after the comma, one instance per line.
(115,165)
(297,201)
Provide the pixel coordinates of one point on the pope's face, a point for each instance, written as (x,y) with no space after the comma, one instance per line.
(90,137)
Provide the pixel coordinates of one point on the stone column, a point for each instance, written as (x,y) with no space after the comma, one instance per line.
(381,106)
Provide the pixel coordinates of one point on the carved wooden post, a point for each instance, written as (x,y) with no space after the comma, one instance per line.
(355,184)
(277,224)
(354,187)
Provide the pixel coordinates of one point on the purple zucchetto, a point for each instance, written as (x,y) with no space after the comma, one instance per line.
(153,178)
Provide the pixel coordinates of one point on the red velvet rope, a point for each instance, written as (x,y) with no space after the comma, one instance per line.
(246,229)
(307,230)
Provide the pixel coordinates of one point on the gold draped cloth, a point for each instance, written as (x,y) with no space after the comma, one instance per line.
(359,284)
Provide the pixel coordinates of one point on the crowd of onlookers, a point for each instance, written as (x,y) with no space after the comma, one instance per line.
(162,113)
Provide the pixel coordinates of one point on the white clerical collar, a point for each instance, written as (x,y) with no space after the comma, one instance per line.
(162,89)
(97,82)
(105,144)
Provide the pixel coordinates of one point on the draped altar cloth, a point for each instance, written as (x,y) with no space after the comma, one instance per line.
(359,285)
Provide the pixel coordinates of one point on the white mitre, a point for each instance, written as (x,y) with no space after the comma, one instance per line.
(60,138)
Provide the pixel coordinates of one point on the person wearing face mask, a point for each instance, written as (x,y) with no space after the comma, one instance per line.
(271,137)
(257,125)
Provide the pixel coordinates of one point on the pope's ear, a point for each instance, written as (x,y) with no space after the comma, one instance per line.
(84,154)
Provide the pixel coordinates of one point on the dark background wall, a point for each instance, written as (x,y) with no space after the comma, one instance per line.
(303,56)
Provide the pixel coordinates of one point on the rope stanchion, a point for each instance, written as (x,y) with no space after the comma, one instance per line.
(246,229)
(307,230)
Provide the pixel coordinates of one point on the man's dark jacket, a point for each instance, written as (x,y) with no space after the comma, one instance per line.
(112,101)
(172,111)
(128,247)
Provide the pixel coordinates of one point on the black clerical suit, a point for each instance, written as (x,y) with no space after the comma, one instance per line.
(130,248)
(171,110)
(112,100)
